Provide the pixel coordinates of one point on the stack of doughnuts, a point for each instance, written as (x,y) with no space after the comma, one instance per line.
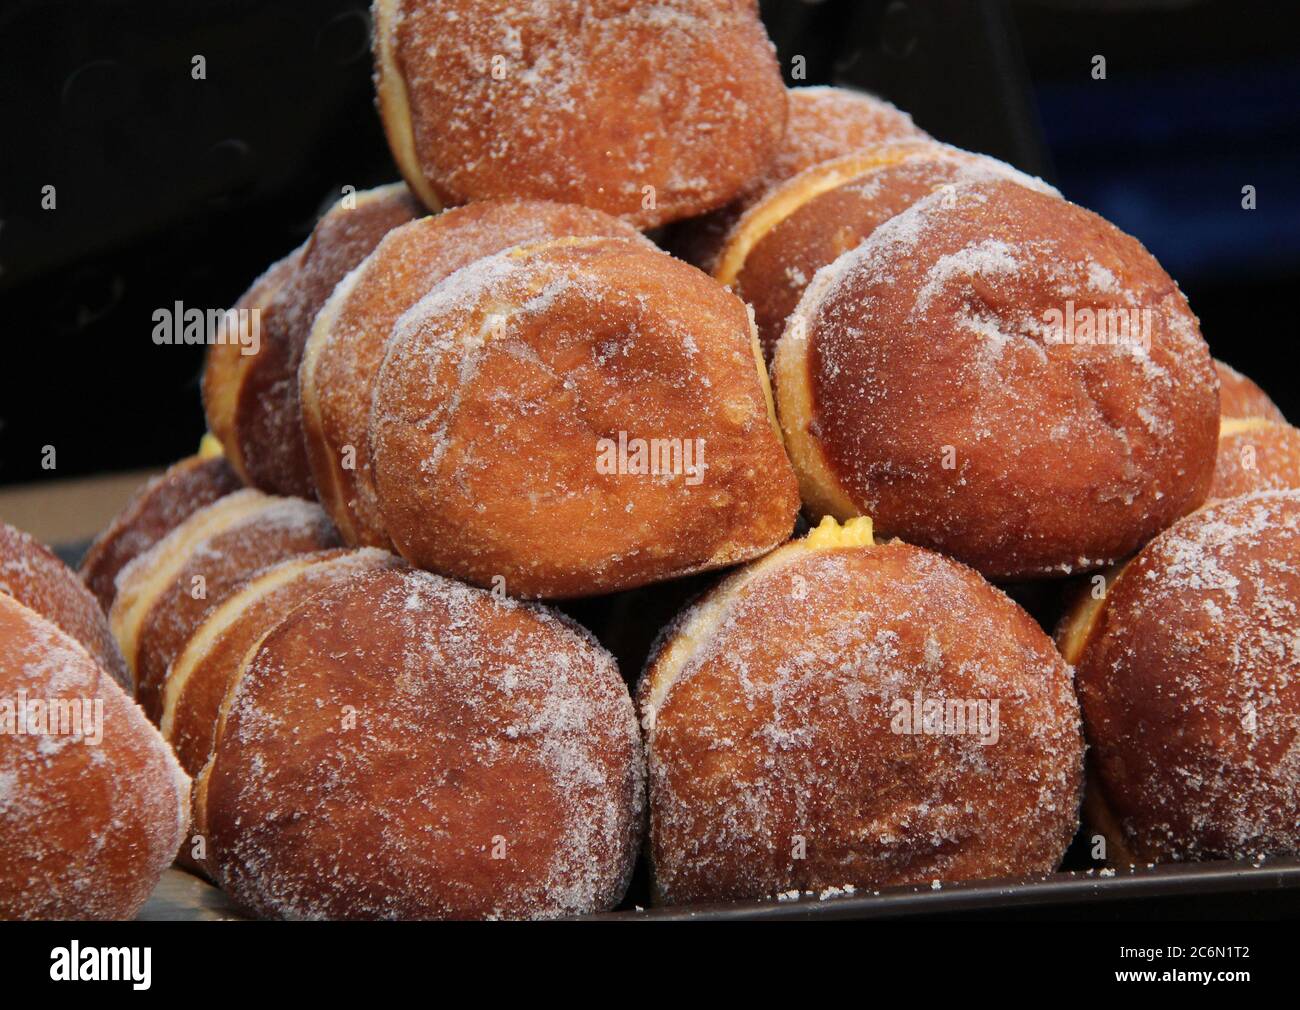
(92,802)
(484,387)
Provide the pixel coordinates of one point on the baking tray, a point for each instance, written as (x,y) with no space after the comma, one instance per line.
(1269,889)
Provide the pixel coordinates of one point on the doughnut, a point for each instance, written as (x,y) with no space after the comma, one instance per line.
(402,746)
(823,123)
(347,342)
(1241,397)
(197,679)
(165,593)
(575,417)
(1004,377)
(648,112)
(826,717)
(92,802)
(251,400)
(155,510)
(774,250)
(34,576)
(1255,455)
(1188,673)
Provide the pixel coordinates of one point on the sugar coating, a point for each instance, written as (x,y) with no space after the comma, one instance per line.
(1190,685)
(948,411)
(774,731)
(539,356)
(590,103)
(33,575)
(86,829)
(481,723)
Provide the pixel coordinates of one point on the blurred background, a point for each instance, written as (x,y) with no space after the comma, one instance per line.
(170,189)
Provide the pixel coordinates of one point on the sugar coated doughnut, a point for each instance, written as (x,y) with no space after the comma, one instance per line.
(573,417)
(92,802)
(1188,671)
(198,677)
(155,510)
(1002,376)
(164,594)
(250,385)
(33,575)
(404,746)
(651,112)
(844,713)
(777,247)
(347,341)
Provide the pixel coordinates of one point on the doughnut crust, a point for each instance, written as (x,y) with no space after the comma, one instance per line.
(582,103)
(155,510)
(506,396)
(1240,396)
(781,242)
(824,123)
(777,758)
(347,341)
(164,594)
(941,377)
(1188,674)
(407,747)
(251,400)
(34,576)
(87,824)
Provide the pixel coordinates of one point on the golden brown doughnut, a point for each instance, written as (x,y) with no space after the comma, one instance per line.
(1255,455)
(1188,672)
(92,802)
(824,123)
(775,249)
(589,103)
(251,400)
(33,575)
(155,510)
(198,677)
(406,747)
(515,412)
(165,593)
(347,341)
(803,732)
(1241,397)
(942,377)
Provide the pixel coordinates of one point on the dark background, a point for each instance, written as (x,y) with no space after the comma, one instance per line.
(174,189)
